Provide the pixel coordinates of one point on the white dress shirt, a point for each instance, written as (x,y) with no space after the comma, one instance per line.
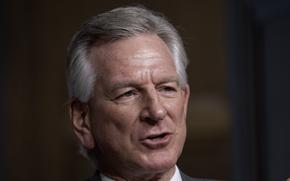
(175,177)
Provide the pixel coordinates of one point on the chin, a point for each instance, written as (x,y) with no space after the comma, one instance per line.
(160,162)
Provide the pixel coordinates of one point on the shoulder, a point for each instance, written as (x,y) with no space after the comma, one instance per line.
(96,177)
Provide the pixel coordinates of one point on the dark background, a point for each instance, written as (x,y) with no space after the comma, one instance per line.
(239,115)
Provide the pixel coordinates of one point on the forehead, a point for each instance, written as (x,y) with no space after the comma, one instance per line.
(141,49)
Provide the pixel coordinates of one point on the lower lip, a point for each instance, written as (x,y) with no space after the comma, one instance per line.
(157,143)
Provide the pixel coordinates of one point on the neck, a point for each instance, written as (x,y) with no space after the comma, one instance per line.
(134,176)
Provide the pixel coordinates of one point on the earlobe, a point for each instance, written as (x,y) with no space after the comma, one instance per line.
(79,117)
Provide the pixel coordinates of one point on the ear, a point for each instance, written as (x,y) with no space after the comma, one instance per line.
(186,94)
(79,117)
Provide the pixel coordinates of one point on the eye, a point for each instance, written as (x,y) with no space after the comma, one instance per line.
(126,95)
(168,89)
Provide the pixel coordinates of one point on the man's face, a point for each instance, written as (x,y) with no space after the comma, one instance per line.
(138,109)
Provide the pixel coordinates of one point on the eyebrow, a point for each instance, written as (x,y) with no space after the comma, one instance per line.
(123,84)
(170,79)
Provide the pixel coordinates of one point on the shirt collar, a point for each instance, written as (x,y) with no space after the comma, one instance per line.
(175,177)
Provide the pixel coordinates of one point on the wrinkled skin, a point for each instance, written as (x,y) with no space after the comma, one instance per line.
(137,97)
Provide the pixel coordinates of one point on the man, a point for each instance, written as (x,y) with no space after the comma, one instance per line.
(129,94)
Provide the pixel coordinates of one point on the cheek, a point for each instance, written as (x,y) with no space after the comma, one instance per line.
(176,110)
(113,120)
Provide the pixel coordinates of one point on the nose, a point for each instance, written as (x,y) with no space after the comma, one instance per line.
(153,111)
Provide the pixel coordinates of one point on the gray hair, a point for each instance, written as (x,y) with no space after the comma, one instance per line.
(119,23)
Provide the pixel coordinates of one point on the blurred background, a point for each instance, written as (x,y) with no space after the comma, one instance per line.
(239,117)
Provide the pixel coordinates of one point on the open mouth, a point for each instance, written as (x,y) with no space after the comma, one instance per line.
(157,137)
(156,141)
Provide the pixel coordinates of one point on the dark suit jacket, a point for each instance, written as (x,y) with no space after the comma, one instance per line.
(184,177)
